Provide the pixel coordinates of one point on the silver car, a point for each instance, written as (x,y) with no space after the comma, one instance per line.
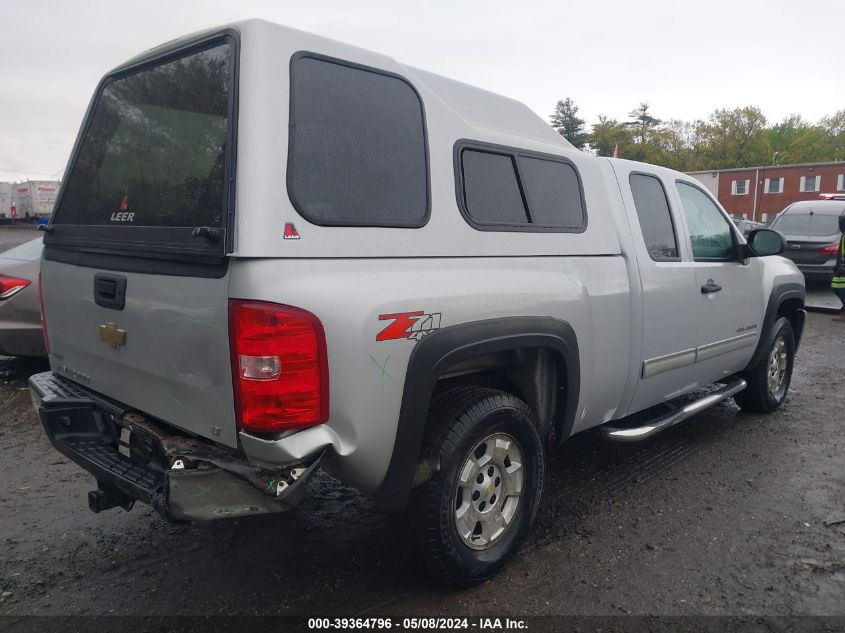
(811,229)
(20,316)
(746,226)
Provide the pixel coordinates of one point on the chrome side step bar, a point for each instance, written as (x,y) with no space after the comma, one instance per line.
(662,422)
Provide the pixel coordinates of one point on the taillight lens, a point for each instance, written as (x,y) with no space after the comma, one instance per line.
(279,365)
(43,320)
(830,249)
(11,285)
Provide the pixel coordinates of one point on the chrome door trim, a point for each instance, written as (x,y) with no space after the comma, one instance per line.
(676,360)
(668,362)
(711,350)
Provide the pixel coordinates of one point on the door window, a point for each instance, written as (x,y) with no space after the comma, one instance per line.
(710,232)
(655,217)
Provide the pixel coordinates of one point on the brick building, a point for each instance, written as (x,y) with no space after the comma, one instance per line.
(760,193)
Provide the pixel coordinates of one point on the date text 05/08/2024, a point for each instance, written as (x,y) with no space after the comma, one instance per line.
(422,624)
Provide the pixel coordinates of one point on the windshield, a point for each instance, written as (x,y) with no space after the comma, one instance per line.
(153,152)
(28,251)
(809,224)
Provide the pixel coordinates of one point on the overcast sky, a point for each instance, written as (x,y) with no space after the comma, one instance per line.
(685,58)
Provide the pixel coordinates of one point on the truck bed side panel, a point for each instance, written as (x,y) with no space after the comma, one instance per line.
(367,376)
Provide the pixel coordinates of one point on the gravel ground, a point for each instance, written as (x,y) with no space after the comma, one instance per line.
(723,514)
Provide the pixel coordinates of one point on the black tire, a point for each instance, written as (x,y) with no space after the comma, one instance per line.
(461,420)
(758,396)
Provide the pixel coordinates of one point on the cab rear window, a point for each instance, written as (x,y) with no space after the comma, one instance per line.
(154,150)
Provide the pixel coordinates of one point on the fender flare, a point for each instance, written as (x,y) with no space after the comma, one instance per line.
(446,347)
(780,293)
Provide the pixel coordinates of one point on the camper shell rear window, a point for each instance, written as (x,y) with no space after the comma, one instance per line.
(153,169)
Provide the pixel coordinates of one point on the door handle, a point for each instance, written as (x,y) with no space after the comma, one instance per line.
(710,287)
(110,291)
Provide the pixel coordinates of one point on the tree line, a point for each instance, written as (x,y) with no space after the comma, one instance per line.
(728,138)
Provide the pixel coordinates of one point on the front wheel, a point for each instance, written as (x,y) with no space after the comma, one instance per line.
(469,519)
(768,382)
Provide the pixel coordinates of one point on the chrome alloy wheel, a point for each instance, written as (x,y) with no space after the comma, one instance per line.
(489,490)
(778,364)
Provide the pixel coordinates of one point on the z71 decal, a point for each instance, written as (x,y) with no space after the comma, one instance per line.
(408,325)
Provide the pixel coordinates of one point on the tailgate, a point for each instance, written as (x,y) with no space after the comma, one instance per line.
(165,353)
(134,274)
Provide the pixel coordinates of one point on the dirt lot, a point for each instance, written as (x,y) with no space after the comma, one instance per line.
(723,514)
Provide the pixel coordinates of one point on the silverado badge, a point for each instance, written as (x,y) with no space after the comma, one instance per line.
(112,336)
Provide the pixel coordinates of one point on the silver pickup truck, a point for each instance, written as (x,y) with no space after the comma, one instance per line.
(273,252)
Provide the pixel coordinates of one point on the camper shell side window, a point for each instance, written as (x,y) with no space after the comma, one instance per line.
(357,151)
(508,189)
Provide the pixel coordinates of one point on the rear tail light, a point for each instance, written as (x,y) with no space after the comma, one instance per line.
(43,320)
(279,365)
(10,286)
(830,249)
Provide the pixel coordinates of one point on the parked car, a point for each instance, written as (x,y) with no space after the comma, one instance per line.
(445,291)
(20,316)
(746,226)
(811,229)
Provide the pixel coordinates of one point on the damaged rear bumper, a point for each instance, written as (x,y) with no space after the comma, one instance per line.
(134,458)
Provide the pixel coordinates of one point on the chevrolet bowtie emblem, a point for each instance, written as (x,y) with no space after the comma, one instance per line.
(112,336)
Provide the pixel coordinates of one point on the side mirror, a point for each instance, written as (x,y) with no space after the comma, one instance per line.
(765,242)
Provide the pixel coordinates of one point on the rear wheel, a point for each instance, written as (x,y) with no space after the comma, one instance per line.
(768,382)
(469,519)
